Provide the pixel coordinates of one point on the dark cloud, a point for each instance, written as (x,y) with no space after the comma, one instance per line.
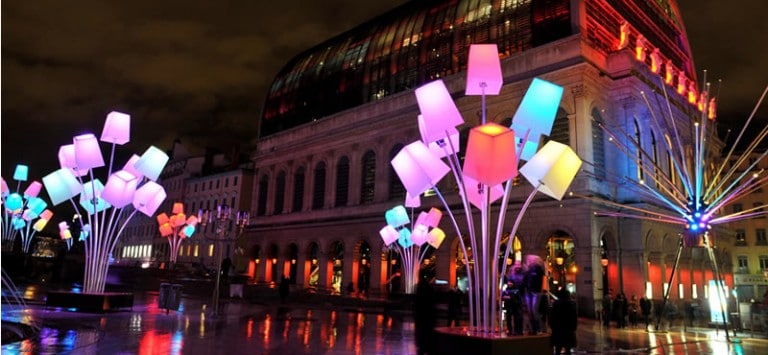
(199,70)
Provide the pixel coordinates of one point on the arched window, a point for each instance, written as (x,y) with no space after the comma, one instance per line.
(261,207)
(368,183)
(298,189)
(638,140)
(318,190)
(342,182)
(279,192)
(598,144)
(396,189)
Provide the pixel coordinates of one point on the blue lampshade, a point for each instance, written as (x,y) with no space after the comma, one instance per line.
(18,223)
(14,203)
(405,238)
(36,206)
(61,185)
(188,230)
(536,113)
(397,216)
(21,172)
(91,198)
(151,163)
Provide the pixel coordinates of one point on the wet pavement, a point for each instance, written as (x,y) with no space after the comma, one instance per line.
(245,327)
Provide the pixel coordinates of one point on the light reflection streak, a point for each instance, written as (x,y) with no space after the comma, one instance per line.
(249,328)
(266,329)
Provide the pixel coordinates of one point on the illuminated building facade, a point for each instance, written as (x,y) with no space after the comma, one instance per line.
(337,113)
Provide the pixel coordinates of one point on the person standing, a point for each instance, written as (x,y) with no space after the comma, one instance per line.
(619,304)
(645,310)
(424,314)
(284,289)
(543,309)
(564,321)
(534,280)
(607,310)
(454,307)
(513,307)
(633,310)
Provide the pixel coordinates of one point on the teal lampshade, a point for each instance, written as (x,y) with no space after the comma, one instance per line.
(18,223)
(14,203)
(36,206)
(536,114)
(91,199)
(148,198)
(552,169)
(404,239)
(188,230)
(120,188)
(397,216)
(87,152)
(117,128)
(21,172)
(151,163)
(61,185)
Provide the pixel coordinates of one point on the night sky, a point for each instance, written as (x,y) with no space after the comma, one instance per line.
(198,71)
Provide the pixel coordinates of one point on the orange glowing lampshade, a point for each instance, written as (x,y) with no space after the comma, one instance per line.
(178,207)
(604,262)
(490,157)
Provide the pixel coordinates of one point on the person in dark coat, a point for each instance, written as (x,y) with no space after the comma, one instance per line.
(534,281)
(513,307)
(454,307)
(284,289)
(645,310)
(424,314)
(619,310)
(607,310)
(563,322)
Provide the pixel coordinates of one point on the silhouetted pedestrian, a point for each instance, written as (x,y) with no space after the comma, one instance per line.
(513,307)
(454,307)
(424,314)
(633,311)
(563,321)
(534,281)
(607,310)
(645,310)
(619,310)
(284,289)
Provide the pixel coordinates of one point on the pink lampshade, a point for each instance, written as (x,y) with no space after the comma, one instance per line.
(21,172)
(117,128)
(162,218)
(389,234)
(33,189)
(438,109)
(436,237)
(120,188)
(490,157)
(64,231)
(475,196)
(419,234)
(418,168)
(552,169)
(67,159)
(151,163)
(412,201)
(450,140)
(87,152)
(433,217)
(192,220)
(3,188)
(61,185)
(130,166)
(148,198)
(178,207)
(483,70)
(47,214)
(536,113)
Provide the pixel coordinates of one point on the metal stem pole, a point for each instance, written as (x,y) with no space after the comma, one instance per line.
(218,280)
(669,284)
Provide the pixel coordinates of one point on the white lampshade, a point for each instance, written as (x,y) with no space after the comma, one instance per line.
(91,199)
(21,172)
(67,159)
(120,189)
(418,168)
(438,109)
(389,234)
(397,216)
(475,196)
(33,189)
(436,237)
(61,185)
(536,113)
(404,239)
(483,70)
(490,157)
(130,166)
(552,169)
(450,140)
(148,198)
(87,152)
(117,128)
(419,234)
(412,201)
(151,163)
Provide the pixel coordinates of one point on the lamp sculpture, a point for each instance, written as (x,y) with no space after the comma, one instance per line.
(227,226)
(176,228)
(412,243)
(493,153)
(24,214)
(104,205)
(693,194)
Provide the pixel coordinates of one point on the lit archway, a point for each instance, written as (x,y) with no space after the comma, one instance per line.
(336,267)
(312,266)
(290,266)
(561,263)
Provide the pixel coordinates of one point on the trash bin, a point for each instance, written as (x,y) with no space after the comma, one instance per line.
(170,297)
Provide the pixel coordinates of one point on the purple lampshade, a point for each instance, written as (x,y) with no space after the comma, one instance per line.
(389,234)
(490,156)
(117,128)
(61,185)
(418,168)
(67,159)
(433,217)
(483,70)
(148,198)
(21,172)
(178,207)
(130,166)
(91,199)
(552,169)
(397,216)
(120,188)
(438,109)
(449,144)
(87,152)
(151,163)
(474,194)
(33,189)
(419,234)
(536,113)
(436,237)
(412,201)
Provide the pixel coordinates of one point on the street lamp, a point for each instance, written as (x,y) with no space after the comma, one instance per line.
(176,228)
(227,226)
